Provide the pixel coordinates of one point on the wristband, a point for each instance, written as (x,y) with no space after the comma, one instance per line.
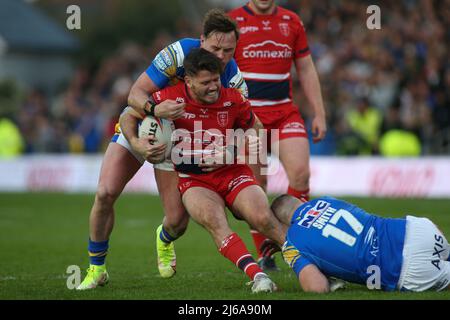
(151,111)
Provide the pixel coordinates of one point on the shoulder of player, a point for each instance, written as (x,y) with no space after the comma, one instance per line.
(288,15)
(174,92)
(231,67)
(184,45)
(233,96)
(239,11)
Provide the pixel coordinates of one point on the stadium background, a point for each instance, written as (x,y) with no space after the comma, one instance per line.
(61,92)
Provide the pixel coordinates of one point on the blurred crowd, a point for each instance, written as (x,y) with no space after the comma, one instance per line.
(385,91)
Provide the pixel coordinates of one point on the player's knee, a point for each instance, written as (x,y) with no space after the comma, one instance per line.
(176,226)
(106,195)
(262,220)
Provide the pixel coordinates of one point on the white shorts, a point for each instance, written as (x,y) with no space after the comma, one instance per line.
(166,165)
(424,257)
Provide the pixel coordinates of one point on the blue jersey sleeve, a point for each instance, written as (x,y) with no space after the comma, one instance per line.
(294,258)
(168,63)
(233,78)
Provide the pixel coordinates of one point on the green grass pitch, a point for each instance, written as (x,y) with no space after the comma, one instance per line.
(41,234)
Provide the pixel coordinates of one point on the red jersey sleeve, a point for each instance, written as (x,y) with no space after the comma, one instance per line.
(160,96)
(246,117)
(301,42)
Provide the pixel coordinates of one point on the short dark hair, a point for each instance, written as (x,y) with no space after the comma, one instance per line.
(216,20)
(201,59)
(283,206)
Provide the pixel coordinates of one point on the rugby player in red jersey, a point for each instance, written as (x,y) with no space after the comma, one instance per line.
(211,114)
(271,40)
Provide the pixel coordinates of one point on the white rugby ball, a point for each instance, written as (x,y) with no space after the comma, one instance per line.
(161,129)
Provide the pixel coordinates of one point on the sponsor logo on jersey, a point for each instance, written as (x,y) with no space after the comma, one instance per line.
(188,115)
(284,28)
(312,214)
(268,49)
(240,19)
(166,57)
(163,61)
(204,114)
(266,24)
(159,63)
(246,29)
(227,104)
(372,240)
(179,99)
(222,118)
(286,17)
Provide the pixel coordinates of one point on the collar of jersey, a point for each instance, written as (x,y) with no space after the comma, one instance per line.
(251,12)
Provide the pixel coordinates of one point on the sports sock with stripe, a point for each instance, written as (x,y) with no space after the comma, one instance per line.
(234,249)
(98,251)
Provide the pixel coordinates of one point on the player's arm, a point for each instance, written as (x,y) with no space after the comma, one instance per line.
(140,92)
(156,76)
(312,280)
(309,81)
(139,97)
(249,120)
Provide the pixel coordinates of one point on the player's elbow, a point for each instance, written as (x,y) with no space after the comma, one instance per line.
(131,96)
(316,287)
(312,280)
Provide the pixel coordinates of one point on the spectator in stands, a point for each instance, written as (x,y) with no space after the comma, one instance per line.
(365,122)
(12,141)
(403,64)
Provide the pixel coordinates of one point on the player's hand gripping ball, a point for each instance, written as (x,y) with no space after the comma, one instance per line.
(161,130)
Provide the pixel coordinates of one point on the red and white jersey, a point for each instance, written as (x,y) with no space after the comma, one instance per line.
(267,47)
(204,126)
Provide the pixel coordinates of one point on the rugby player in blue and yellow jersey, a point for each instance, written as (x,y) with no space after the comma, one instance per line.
(327,237)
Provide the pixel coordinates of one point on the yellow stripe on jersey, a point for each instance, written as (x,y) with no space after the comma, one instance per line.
(117,129)
(290,255)
(171,70)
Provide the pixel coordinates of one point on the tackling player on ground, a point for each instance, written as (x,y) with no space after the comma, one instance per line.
(328,237)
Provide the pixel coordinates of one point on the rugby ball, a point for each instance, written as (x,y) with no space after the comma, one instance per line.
(161,129)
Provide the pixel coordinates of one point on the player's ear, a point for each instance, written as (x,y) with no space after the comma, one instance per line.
(202,38)
(188,81)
